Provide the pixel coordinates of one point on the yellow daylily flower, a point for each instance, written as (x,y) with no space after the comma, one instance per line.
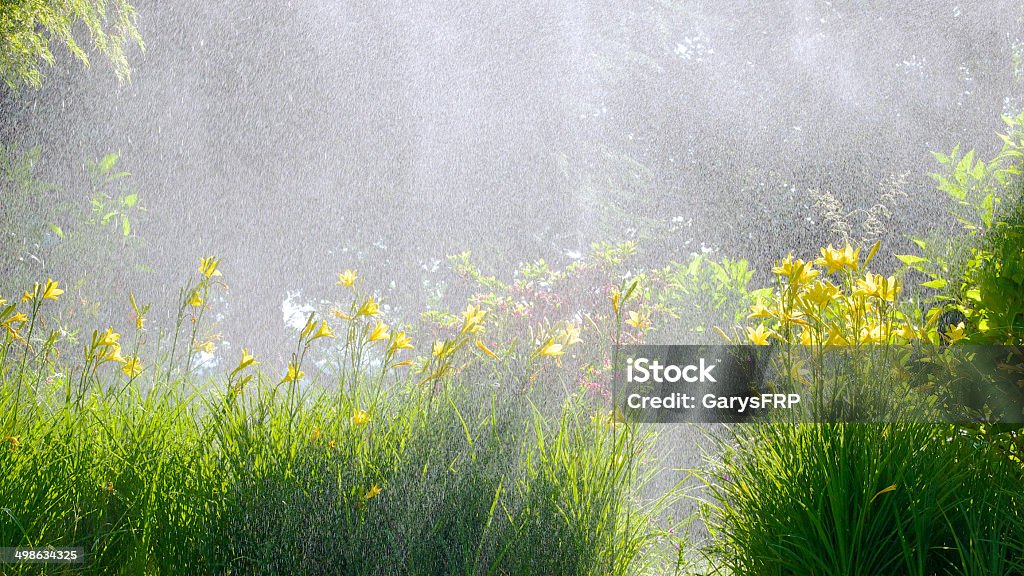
(372,492)
(208,267)
(324,331)
(16,317)
(759,311)
(207,347)
(890,289)
(401,342)
(638,320)
(439,349)
(369,308)
(820,294)
(315,434)
(27,296)
(109,338)
(570,335)
(51,291)
(798,271)
(835,259)
(132,367)
(873,334)
(793,317)
(907,332)
(14,441)
(877,286)
(380,332)
(360,417)
(294,374)
(956,333)
(808,337)
(836,339)
(551,348)
(246,361)
(472,318)
(195,300)
(402,363)
(113,355)
(759,336)
(107,348)
(615,301)
(14,333)
(485,349)
(347,278)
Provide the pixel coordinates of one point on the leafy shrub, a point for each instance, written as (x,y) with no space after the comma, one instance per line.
(703,293)
(981,276)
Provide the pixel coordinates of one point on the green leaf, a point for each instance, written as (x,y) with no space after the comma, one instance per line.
(107,162)
(56,230)
(910,259)
(126,228)
(987,208)
(957,192)
(130,200)
(979,170)
(973,294)
(964,166)
(116,176)
(8,312)
(938,283)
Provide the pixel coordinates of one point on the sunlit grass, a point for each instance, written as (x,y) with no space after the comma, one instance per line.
(389,463)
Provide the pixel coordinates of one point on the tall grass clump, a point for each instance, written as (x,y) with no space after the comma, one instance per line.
(863,499)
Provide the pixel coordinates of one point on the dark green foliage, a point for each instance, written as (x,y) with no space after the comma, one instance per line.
(911,499)
(29,27)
